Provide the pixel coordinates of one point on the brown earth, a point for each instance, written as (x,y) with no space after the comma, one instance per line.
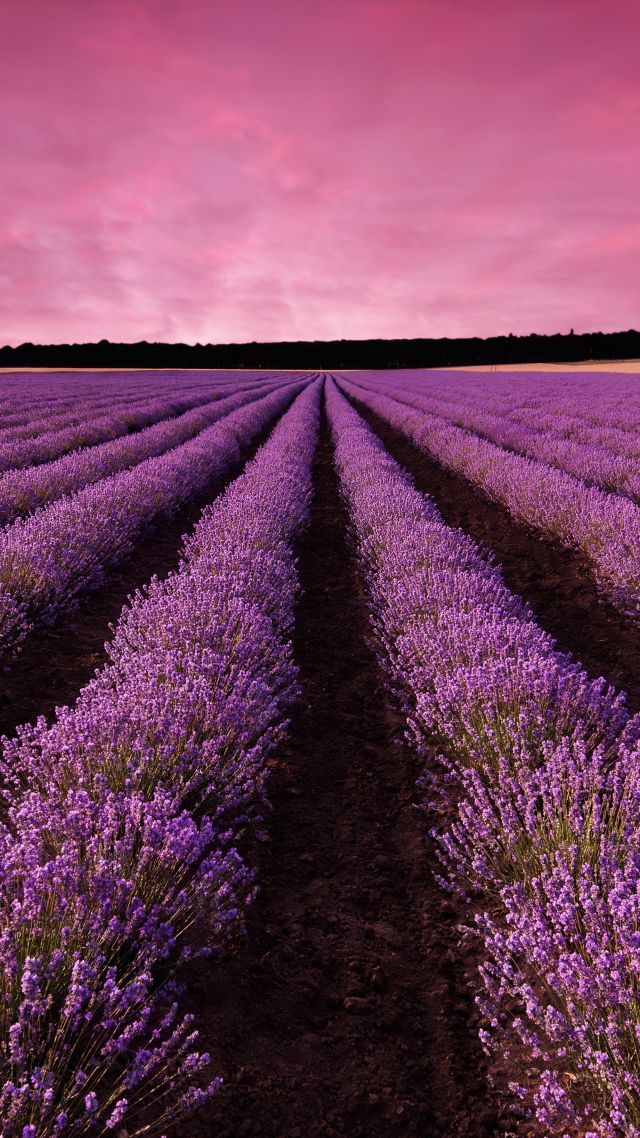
(557,582)
(346,1012)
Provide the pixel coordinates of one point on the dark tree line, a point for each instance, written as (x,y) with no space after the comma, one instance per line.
(331,354)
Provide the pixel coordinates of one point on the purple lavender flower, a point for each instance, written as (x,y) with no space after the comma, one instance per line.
(119,845)
(46,559)
(545,765)
(558,504)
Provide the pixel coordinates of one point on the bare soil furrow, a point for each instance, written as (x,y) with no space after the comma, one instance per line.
(346,1011)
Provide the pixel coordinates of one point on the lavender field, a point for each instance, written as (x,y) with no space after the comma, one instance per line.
(320,773)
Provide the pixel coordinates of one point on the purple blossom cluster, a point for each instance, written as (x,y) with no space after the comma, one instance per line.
(30,417)
(573,405)
(27,395)
(28,423)
(591,461)
(119,420)
(604,528)
(537,796)
(43,435)
(588,416)
(23,491)
(49,557)
(124,819)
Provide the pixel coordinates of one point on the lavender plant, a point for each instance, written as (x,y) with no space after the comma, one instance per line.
(603,527)
(574,448)
(35,430)
(120,849)
(23,491)
(46,559)
(540,770)
(118,421)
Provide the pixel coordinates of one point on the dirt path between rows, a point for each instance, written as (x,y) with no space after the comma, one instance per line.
(557,582)
(346,1011)
(56,662)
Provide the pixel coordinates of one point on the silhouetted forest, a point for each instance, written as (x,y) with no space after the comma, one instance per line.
(331,354)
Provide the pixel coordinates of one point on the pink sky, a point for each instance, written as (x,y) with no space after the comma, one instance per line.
(229,170)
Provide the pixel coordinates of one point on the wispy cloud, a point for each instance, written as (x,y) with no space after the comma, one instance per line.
(211,171)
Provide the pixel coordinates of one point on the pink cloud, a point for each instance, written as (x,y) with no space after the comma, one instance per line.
(199,170)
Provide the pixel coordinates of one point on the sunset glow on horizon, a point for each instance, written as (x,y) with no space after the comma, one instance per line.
(202,171)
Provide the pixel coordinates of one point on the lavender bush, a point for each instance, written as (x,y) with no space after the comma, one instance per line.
(23,491)
(46,559)
(570,445)
(541,768)
(50,444)
(573,405)
(42,430)
(120,846)
(605,528)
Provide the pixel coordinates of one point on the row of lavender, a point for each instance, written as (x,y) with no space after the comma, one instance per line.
(51,438)
(22,394)
(55,440)
(56,396)
(593,454)
(120,850)
(565,403)
(83,414)
(30,422)
(544,766)
(604,413)
(604,528)
(49,557)
(23,491)
(29,417)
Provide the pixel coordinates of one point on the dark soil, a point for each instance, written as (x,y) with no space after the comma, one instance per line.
(346,1012)
(56,662)
(557,582)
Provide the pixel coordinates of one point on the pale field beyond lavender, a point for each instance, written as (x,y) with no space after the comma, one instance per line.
(581,365)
